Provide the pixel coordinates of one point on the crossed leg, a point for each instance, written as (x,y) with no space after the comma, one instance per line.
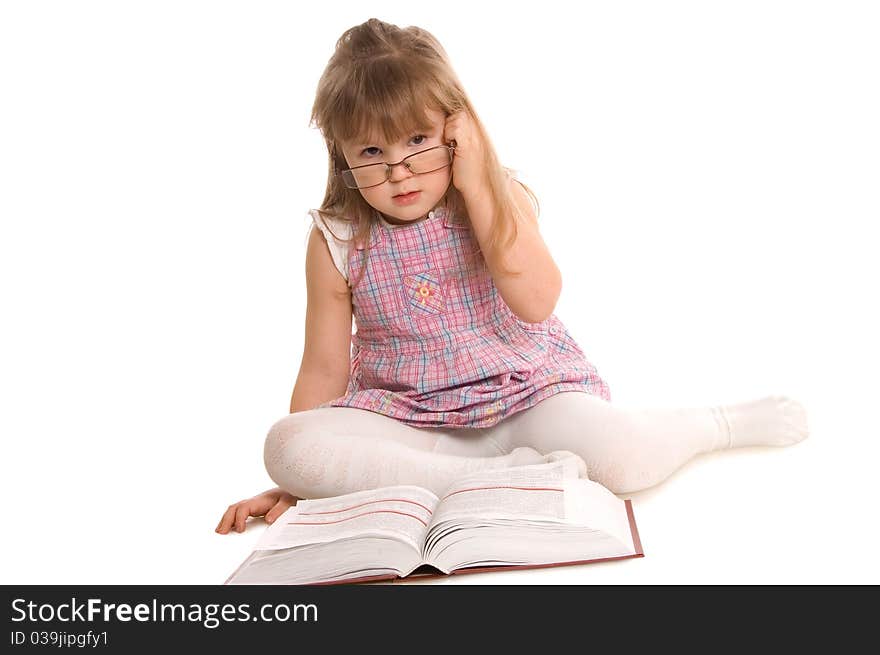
(335,450)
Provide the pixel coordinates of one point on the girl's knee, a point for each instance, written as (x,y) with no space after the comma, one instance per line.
(281,433)
(280,449)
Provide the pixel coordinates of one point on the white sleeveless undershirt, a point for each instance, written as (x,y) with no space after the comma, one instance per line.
(332,228)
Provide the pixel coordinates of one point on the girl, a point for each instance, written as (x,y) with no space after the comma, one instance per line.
(458,362)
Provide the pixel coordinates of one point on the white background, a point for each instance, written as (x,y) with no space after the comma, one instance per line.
(708,175)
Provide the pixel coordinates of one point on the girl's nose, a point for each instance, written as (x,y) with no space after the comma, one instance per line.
(400,172)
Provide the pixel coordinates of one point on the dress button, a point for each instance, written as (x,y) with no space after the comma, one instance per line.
(553,330)
(431,214)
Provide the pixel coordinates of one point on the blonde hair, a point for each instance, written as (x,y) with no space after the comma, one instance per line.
(386,77)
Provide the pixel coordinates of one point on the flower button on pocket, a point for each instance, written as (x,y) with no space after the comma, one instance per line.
(424,293)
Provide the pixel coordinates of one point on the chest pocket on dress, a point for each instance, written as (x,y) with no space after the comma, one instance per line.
(424,294)
(423,288)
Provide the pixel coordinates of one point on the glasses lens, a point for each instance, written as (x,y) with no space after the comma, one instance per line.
(429,160)
(358,178)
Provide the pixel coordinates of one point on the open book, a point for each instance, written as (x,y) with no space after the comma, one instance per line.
(521,517)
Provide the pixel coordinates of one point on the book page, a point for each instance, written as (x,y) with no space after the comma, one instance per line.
(402,512)
(589,503)
(332,561)
(533,491)
(538,513)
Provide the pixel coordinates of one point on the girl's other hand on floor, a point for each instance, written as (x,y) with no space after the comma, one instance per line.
(270,504)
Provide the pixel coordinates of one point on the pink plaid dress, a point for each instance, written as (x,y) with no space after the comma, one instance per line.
(437,346)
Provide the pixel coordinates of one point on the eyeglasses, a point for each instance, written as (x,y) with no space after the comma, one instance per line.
(424,161)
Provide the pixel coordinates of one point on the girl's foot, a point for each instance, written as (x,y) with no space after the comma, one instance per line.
(558,455)
(770,421)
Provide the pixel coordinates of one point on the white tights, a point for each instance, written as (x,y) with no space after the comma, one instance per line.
(330,451)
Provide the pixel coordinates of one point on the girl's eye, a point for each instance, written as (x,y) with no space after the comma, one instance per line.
(372,150)
(418,139)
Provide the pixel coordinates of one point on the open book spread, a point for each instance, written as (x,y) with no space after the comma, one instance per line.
(524,516)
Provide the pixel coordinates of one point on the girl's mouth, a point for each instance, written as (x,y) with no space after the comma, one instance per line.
(406,198)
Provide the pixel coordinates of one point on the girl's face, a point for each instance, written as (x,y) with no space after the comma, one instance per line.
(405,197)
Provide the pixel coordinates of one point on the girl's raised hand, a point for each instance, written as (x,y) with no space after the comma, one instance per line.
(468,164)
(270,503)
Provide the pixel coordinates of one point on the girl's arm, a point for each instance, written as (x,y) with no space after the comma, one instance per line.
(532,295)
(323,373)
(324,370)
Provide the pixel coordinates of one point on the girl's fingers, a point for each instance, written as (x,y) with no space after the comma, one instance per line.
(236,516)
(450,129)
(284,503)
(279,508)
(241,516)
(226,520)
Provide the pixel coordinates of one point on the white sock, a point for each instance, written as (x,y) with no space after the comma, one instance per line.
(770,421)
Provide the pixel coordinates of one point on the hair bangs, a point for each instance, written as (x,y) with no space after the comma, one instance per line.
(386,98)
